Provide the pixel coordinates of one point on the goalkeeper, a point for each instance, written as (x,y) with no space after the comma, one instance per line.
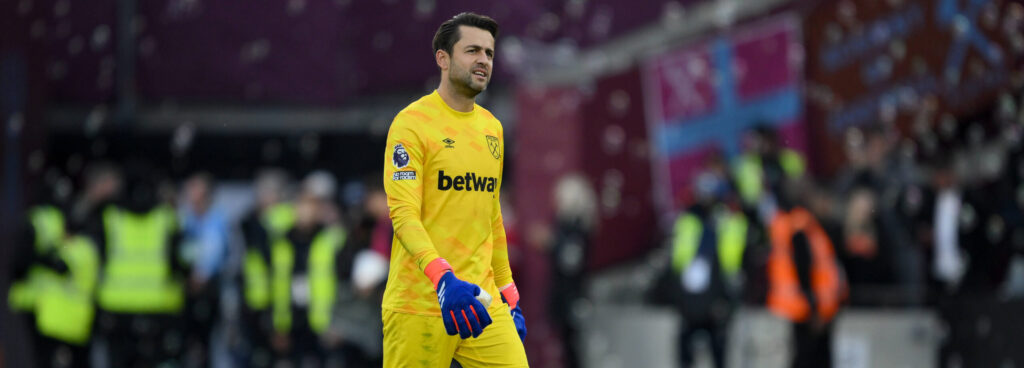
(442,175)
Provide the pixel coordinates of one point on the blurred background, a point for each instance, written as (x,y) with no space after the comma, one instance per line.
(755,183)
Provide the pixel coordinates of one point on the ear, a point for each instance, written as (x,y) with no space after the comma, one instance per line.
(443,59)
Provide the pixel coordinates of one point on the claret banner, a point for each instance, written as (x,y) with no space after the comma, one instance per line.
(702,98)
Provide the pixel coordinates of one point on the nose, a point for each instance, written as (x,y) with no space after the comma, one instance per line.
(484,60)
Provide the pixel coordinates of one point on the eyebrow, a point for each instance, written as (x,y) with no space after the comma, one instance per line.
(477,47)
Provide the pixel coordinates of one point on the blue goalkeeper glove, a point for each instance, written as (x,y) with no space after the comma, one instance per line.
(461,310)
(510,295)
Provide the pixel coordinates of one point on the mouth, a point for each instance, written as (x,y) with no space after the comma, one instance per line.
(480,73)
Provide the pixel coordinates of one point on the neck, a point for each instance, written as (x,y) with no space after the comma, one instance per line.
(451,96)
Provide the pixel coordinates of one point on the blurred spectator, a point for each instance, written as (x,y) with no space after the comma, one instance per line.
(140,293)
(205,231)
(866,251)
(271,217)
(967,220)
(867,150)
(55,275)
(365,256)
(875,246)
(305,276)
(806,285)
(576,213)
(761,169)
(205,243)
(985,238)
(101,186)
(708,246)
(324,187)
(370,270)
(356,330)
(1013,172)
(945,203)
(960,225)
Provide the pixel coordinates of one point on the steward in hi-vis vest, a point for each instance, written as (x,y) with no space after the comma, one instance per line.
(269,220)
(303,283)
(140,293)
(56,287)
(805,284)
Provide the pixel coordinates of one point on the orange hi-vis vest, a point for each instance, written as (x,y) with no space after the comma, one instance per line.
(785,298)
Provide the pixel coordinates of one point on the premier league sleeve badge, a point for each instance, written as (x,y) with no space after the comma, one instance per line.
(400,158)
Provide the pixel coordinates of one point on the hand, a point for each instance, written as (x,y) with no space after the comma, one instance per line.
(461,311)
(280,342)
(195,285)
(510,295)
(331,339)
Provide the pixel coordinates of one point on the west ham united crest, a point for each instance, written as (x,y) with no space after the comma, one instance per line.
(492,143)
(400,158)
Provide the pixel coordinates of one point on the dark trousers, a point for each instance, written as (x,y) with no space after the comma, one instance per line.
(569,333)
(142,340)
(202,309)
(813,346)
(305,350)
(54,353)
(255,327)
(716,332)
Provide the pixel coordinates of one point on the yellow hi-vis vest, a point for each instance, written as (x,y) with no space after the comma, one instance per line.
(749,173)
(731,232)
(48,223)
(64,311)
(322,284)
(137,277)
(277,220)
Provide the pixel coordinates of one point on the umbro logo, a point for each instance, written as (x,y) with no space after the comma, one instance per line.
(448,143)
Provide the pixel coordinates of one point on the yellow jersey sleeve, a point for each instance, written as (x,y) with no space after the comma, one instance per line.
(403,183)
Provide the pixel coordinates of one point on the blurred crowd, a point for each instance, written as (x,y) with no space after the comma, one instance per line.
(121,265)
(124,266)
(918,216)
(924,215)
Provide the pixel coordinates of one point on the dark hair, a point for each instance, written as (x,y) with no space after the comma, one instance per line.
(448,34)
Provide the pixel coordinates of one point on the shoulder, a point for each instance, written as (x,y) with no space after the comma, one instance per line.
(422,110)
(489,119)
(486,114)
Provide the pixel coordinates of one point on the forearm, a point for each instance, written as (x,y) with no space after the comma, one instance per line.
(413,236)
(499,259)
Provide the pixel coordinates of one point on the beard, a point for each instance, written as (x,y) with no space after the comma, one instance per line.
(463,81)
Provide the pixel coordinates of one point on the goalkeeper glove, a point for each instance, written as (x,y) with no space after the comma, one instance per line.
(510,295)
(461,307)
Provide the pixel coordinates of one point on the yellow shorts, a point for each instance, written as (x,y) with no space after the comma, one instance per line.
(413,340)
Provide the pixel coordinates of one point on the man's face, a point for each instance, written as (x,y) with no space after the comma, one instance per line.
(104,186)
(471,61)
(307,207)
(197,192)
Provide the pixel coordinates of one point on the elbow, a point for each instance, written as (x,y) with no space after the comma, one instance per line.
(402,215)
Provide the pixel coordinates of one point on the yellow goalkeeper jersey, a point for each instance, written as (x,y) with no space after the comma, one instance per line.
(442,175)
